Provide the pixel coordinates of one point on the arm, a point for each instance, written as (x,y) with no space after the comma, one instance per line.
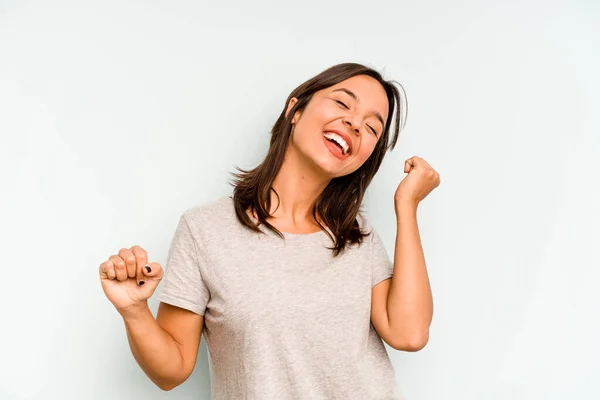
(166,347)
(402,307)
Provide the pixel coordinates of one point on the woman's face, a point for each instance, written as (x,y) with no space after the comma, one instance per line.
(340,126)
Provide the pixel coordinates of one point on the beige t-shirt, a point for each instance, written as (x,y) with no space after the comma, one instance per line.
(284,319)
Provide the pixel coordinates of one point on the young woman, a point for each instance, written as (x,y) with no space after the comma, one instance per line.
(290,285)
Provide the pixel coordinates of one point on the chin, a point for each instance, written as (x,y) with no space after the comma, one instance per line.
(331,170)
(329,166)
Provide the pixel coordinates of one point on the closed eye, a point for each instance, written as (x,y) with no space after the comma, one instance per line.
(342,104)
(346,107)
(372,130)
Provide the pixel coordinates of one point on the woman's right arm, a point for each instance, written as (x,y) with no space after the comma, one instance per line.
(166,347)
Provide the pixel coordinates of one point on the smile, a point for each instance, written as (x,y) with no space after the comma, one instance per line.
(338,143)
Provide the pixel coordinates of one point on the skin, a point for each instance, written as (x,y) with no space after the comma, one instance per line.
(309,166)
(402,306)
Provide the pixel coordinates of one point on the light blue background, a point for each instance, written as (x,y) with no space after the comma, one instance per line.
(115,116)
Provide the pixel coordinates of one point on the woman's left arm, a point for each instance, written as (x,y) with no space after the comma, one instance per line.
(402,307)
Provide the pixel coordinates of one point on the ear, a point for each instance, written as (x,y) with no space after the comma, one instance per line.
(291,105)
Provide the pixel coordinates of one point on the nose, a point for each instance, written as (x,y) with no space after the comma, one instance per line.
(354,127)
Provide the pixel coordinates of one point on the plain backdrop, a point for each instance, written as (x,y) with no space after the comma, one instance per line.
(116,116)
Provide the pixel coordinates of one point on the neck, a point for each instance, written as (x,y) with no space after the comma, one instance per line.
(298,186)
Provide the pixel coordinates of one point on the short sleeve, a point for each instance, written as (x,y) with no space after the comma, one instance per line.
(382,266)
(182,285)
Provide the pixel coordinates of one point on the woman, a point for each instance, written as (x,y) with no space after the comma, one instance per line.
(290,285)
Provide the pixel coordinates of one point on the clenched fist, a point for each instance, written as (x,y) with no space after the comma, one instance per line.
(128,279)
(419,182)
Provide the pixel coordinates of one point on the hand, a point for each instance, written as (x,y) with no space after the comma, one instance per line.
(419,182)
(128,280)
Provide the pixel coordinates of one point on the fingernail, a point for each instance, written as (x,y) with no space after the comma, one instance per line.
(148,268)
(142,283)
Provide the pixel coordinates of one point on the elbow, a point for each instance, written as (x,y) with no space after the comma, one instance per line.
(170,381)
(412,343)
(167,386)
(416,345)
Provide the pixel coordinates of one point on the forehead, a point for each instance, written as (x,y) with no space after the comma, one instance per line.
(371,95)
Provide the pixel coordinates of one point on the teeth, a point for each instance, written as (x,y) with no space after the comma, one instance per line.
(339,140)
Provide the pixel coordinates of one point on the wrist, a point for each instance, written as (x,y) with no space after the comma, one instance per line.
(134,311)
(405,204)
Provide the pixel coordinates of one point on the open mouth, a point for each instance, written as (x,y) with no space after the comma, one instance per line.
(338,142)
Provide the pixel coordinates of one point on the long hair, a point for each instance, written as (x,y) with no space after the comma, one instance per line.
(339,203)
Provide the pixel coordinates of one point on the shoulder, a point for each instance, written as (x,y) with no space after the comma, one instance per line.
(367,228)
(365,224)
(210,215)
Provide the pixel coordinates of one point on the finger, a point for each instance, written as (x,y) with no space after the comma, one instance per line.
(408,165)
(141,259)
(153,270)
(129,258)
(425,164)
(107,270)
(120,267)
(421,162)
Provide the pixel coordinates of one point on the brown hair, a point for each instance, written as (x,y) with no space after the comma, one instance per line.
(340,202)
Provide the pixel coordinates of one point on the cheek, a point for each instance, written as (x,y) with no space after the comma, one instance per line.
(321,113)
(367,146)
(313,119)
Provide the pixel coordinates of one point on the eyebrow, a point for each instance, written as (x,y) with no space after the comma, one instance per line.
(355,97)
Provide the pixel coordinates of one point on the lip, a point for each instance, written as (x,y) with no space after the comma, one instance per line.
(344,136)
